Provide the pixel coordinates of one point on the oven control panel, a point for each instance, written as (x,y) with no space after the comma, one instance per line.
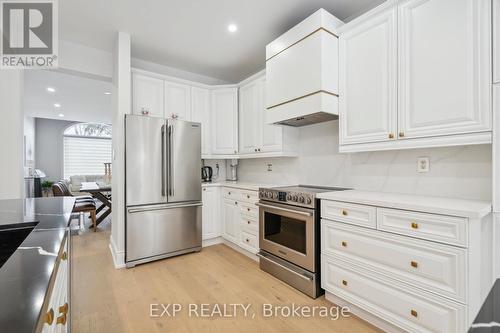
(293,198)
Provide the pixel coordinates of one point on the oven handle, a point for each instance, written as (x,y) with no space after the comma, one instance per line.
(308,278)
(284,209)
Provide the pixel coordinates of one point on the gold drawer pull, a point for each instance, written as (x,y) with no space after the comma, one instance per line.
(61,319)
(391,135)
(414,225)
(63,308)
(49,317)
(344,212)
(414,313)
(344,282)
(414,264)
(64,256)
(344,244)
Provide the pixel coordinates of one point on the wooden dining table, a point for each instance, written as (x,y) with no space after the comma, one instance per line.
(102,192)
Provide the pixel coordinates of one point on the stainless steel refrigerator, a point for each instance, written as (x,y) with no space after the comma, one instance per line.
(163,188)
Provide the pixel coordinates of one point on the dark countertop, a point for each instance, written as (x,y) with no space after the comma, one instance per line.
(488,318)
(26,275)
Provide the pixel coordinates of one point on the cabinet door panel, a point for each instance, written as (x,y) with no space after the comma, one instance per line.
(210,221)
(177,101)
(147,95)
(249,118)
(225,121)
(200,109)
(368,87)
(231,220)
(444,70)
(272,135)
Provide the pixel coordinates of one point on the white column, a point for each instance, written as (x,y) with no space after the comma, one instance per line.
(11,134)
(121,106)
(496,138)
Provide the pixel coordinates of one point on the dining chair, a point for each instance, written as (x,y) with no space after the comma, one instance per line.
(82,205)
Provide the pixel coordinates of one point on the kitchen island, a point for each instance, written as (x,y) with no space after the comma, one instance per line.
(34,269)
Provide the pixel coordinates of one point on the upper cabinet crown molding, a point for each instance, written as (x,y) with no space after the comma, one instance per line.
(442,88)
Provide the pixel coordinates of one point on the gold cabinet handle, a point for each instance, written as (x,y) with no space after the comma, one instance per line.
(414,225)
(64,308)
(344,244)
(414,313)
(64,255)
(49,317)
(61,319)
(344,282)
(401,134)
(391,135)
(344,212)
(414,264)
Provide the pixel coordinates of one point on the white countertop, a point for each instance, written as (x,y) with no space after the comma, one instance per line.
(241,185)
(437,205)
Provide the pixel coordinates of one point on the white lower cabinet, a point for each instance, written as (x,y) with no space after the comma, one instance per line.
(210,213)
(230,214)
(416,270)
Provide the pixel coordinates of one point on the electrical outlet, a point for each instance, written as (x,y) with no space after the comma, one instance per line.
(269,167)
(423,164)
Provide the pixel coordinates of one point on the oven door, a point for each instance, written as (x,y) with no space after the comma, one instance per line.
(288,232)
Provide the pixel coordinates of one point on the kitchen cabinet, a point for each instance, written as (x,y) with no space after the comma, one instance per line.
(147,95)
(255,135)
(210,213)
(200,112)
(496,41)
(441,95)
(224,103)
(367,84)
(177,101)
(230,220)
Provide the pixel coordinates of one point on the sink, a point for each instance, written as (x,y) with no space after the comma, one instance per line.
(11,239)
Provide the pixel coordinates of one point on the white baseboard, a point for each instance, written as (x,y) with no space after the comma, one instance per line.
(118,256)
(366,316)
(211,241)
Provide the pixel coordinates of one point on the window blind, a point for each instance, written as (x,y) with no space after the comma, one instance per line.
(85,156)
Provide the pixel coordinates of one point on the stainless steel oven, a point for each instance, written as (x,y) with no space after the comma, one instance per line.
(289,237)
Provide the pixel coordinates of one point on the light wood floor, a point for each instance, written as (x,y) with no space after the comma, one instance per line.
(108,300)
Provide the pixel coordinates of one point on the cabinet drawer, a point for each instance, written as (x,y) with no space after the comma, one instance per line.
(364,216)
(431,266)
(248,209)
(231,193)
(249,196)
(440,228)
(249,240)
(405,307)
(250,224)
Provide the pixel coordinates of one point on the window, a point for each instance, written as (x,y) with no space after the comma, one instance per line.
(87,146)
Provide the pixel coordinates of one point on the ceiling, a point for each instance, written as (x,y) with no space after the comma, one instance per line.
(192,34)
(80,98)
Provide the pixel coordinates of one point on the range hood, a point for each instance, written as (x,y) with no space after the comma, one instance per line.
(302,73)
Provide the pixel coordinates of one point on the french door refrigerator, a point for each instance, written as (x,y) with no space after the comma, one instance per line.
(162,188)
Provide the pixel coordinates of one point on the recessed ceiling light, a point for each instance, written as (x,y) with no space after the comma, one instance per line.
(232,28)
(107,93)
(61,115)
(57,105)
(51,90)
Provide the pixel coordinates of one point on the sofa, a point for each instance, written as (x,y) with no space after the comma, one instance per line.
(74,183)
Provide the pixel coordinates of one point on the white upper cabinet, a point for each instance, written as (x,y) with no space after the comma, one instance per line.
(147,95)
(496,41)
(177,101)
(224,102)
(444,87)
(414,74)
(200,112)
(250,115)
(367,80)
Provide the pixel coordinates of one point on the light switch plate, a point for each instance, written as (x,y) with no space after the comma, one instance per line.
(423,164)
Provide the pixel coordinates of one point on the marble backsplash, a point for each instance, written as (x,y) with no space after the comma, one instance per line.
(460,172)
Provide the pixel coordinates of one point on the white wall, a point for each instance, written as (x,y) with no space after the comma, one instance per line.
(11,134)
(462,172)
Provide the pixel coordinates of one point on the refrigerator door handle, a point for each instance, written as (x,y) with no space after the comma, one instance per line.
(162,207)
(170,160)
(163,160)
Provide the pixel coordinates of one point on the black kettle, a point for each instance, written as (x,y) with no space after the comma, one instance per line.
(206,174)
